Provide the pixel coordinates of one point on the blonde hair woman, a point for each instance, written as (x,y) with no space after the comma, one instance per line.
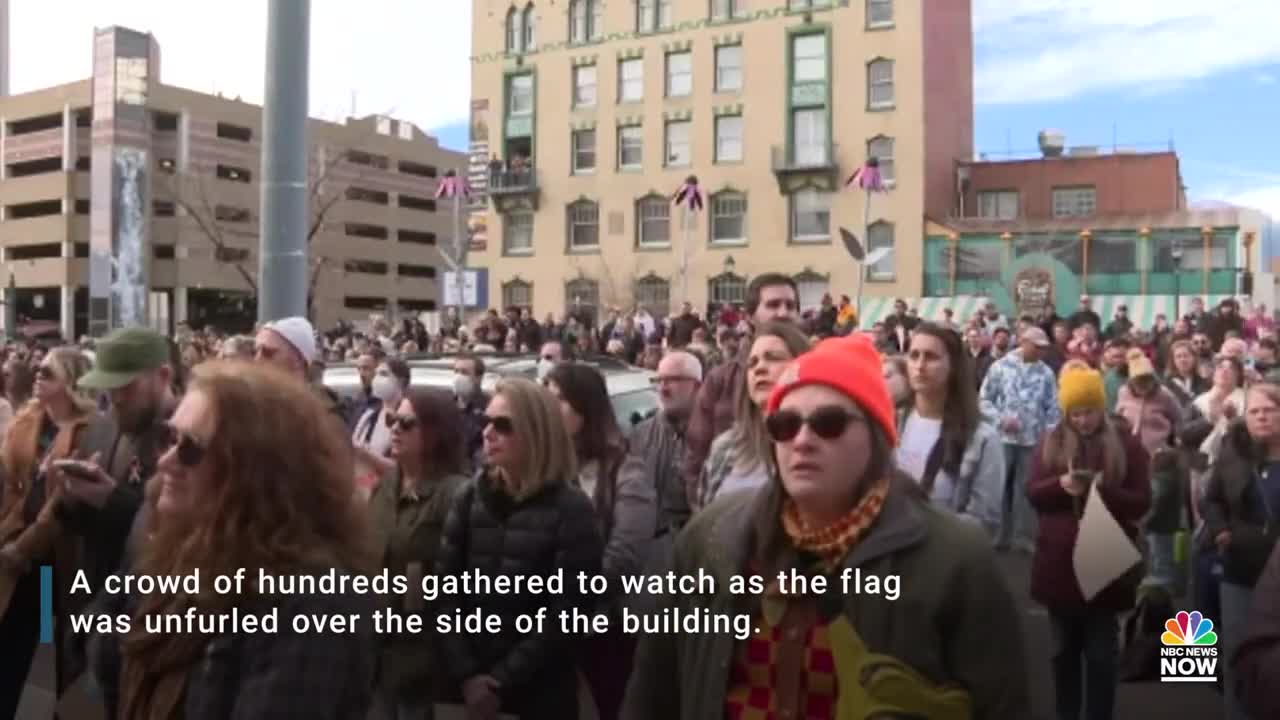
(524,515)
(48,428)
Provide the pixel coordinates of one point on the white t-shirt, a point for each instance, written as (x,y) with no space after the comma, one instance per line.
(919,435)
(377,442)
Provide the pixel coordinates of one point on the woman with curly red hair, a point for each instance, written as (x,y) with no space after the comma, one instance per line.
(255,480)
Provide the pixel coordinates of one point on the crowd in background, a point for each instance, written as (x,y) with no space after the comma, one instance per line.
(782,442)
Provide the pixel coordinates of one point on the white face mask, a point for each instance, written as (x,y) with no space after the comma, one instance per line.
(463,386)
(385,387)
(544,368)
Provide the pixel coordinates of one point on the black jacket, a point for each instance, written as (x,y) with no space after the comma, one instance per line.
(487,531)
(1231,502)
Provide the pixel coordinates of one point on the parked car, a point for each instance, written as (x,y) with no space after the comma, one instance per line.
(631,389)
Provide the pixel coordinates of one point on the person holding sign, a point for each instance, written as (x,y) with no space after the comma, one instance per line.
(1085,458)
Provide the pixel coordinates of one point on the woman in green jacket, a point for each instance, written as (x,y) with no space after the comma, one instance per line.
(913,619)
(408,510)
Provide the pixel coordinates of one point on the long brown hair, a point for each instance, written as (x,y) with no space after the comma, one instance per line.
(1063,445)
(550,457)
(960,416)
(749,441)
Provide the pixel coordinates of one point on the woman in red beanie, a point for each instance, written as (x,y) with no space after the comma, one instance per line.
(901,623)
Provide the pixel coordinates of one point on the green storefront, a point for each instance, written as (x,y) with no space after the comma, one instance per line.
(1148,269)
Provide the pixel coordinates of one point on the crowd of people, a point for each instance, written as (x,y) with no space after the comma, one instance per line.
(783,443)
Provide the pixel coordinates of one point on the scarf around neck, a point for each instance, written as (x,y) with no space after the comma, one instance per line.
(832,543)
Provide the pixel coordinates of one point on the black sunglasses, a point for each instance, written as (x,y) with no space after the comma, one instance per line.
(827,423)
(190,452)
(404,422)
(501,425)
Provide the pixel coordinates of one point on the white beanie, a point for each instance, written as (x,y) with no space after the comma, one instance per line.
(299,333)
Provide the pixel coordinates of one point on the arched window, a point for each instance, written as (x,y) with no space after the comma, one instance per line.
(527,23)
(880,235)
(582,300)
(725,289)
(517,293)
(880,147)
(880,94)
(654,294)
(583,224)
(513,31)
(653,221)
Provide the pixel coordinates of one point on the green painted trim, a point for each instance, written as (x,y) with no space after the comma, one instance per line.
(793,33)
(687,26)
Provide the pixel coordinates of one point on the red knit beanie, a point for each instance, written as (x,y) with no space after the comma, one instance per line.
(851,365)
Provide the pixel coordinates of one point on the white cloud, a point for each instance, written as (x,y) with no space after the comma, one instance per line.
(408,57)
(1266,199)
(1044,50)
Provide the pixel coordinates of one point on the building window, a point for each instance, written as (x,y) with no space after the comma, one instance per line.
(584,151)
(631,80)
(880,84)
(810,216)
(810,289)
(879,13)
(726,289)
(520,95)
(653,15)
(727,9)
(517,294)
(881,148)
(880,235)
(584,86)
(517,233)
(729,68)
(653,222)
(729,138)
(585,20)
(630,147)
(809,137)
(1074,201)
(528,27)
(678,152)
(513,30)
(583,299)
(679,74)
(809,58)
(654,294)
(584,225)
(729,218)
(998,204)
(807,4)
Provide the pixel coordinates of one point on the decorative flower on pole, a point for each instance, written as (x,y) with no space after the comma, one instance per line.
(689,195)
(453,185)
(867,177)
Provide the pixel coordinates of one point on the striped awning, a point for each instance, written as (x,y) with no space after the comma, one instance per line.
(1144,308)
(876,309)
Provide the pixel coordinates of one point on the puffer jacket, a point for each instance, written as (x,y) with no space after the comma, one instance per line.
(1232,502)
(555,529)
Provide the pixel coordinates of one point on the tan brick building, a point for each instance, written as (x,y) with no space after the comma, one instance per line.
(373,181)
(599,110)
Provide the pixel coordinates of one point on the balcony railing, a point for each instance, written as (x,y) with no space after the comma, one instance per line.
(792,164)
(512,189)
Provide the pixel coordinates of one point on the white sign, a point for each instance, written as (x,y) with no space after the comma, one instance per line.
(469,288)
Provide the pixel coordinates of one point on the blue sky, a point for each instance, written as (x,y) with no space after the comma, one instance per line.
(1133,72)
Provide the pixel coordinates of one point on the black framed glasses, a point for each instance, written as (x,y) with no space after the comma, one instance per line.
(406,423)
(190,451)
(501,425)
(827,422)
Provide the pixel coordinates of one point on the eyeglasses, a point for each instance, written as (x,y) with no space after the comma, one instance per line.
(190,452)
(501,425)
(827,423)
(46,373)
(660,381)
(406,423)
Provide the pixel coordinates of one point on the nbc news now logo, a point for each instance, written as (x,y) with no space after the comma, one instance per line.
(1189,653)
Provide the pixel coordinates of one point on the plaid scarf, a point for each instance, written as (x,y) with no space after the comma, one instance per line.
(832,543)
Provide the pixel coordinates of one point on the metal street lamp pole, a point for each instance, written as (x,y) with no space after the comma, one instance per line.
(1177,284)
(282,263)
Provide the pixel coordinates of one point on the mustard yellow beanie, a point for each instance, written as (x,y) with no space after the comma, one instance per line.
(1080,388)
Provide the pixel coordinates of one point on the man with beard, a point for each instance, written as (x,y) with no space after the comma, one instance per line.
(134,369)
(657,444)
(290,345)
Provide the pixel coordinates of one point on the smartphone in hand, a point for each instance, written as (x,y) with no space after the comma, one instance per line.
(76,469)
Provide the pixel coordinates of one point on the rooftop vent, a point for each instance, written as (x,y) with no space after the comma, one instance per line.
(1052,142)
